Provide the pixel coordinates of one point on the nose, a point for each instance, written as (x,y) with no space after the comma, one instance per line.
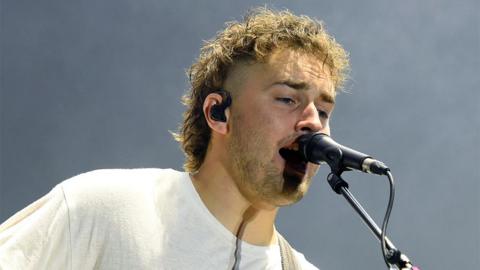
(310,121)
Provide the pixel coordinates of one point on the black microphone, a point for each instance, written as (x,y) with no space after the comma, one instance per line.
(319,147)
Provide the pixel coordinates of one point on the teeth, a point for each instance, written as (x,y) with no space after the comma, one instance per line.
(293,146)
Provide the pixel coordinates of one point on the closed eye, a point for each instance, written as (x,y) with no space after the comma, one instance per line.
(286,100)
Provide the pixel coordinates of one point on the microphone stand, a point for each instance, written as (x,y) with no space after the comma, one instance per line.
(394,256)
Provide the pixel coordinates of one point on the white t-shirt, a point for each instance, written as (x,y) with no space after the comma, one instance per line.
(126,219)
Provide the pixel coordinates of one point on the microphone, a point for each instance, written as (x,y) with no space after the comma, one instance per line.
(319,147)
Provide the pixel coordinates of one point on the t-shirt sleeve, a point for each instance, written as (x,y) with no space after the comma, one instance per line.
(37,237)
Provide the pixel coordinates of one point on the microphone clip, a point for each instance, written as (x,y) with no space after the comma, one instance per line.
(336,182)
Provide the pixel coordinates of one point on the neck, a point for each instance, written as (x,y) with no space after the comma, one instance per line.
(219,193)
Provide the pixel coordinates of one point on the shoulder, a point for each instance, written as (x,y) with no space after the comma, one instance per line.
(111,187)
(120,179)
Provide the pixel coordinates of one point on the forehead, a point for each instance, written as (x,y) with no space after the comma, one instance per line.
(298,65)
(298,68)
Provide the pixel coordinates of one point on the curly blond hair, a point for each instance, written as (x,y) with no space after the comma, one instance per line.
(255,38)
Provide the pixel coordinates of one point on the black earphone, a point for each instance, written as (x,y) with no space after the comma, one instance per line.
(217,112)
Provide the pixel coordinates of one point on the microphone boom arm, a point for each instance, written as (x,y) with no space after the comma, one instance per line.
(395,257)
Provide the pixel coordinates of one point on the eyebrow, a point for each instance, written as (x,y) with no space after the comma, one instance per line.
(295,85)
(303,86)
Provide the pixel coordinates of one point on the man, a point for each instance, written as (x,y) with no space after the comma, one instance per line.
(256,87)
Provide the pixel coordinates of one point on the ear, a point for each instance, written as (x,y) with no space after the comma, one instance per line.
(215,99)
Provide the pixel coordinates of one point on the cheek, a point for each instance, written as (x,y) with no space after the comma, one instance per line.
(327,130)
(269,125)
(284,122)
(326,127)
(262,120)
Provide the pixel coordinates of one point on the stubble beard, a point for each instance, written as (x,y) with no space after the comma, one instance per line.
(255,173)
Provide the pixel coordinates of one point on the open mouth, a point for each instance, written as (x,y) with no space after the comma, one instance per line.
(295,165)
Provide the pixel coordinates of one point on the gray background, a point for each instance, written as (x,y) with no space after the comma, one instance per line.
(96,84)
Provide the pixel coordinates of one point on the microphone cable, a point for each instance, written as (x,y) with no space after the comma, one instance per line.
(237,250)
(247,216)
(387,254)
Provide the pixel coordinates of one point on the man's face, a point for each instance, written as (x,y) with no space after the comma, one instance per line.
(277,101)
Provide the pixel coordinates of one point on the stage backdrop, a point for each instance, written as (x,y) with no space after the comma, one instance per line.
(97,84)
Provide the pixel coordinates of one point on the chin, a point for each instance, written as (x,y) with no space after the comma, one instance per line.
(290,199)
(294,189)
(288,194)
(286,187)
